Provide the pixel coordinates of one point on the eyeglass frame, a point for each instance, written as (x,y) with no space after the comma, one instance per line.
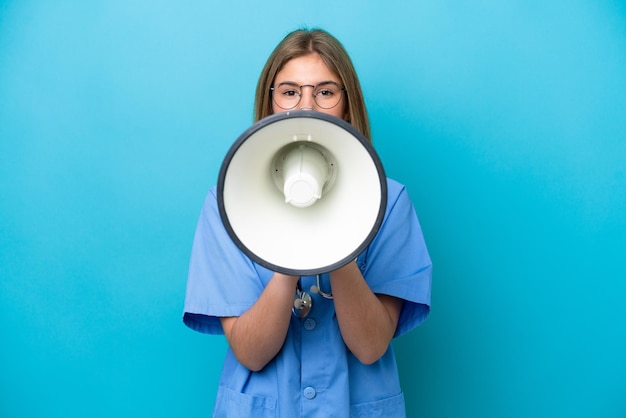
(342,90)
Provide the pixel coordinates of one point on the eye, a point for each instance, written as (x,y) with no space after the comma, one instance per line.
(288,90)
(326,90)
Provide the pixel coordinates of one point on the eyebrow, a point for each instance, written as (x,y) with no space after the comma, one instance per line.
(293,83)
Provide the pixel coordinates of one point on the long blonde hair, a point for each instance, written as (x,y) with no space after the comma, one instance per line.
(303,42)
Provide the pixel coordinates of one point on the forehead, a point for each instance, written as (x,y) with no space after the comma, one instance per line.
(307,69)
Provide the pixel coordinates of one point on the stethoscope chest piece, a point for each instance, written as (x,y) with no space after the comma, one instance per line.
(302,305)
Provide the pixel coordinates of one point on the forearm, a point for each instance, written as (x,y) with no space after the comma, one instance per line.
(367,322)
(259,333)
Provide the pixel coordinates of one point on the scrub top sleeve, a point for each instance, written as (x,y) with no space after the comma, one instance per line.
(397,262)
(222,281)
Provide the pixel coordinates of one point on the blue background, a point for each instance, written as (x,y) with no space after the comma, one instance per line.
(506,121)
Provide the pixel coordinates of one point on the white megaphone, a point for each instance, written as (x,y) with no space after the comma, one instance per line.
(302,192)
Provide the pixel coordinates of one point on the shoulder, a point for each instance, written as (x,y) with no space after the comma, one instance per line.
(394,187)
(397,195)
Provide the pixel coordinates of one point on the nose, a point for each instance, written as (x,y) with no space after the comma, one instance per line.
(306,100)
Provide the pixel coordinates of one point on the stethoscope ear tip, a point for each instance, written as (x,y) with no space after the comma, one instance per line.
(318,290)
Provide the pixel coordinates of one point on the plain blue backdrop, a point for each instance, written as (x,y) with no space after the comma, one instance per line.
(506,121)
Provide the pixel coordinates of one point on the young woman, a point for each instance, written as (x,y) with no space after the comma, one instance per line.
(337,361)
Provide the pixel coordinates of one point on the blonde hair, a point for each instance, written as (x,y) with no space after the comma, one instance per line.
(302,42)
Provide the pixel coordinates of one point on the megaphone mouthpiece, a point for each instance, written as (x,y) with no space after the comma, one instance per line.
(305,172)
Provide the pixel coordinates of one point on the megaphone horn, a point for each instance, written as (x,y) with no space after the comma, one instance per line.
(302,192)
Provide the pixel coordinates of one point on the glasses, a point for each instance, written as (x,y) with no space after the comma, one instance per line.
(326,95)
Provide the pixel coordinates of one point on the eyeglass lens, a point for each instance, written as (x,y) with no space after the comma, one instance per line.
(326,95)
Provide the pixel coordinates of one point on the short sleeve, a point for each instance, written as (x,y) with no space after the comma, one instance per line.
(397,262)
(222,281)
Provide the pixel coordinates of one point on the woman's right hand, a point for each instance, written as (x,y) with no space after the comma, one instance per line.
(259,333)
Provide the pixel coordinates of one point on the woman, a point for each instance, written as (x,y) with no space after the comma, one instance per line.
(336,361)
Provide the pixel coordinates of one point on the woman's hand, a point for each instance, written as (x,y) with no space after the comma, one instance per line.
(367,321)
(259,333)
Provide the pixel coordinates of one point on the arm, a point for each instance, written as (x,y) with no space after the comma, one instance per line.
(259,333)
(367,321)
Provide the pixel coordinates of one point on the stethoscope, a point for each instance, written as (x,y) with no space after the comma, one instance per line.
(303,303)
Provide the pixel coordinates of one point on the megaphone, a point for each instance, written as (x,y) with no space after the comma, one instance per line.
(302,192)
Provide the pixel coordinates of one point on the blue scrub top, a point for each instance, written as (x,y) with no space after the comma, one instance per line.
(314,374)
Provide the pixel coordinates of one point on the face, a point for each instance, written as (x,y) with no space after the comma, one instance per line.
(309,70)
